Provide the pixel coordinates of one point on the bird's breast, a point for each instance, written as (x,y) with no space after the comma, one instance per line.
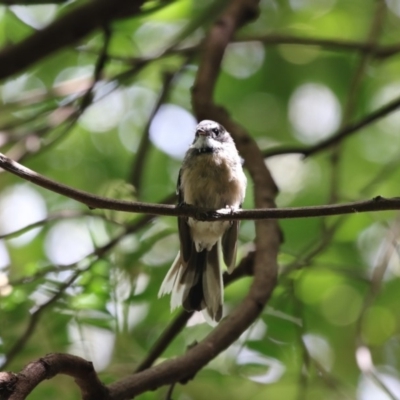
(212,181)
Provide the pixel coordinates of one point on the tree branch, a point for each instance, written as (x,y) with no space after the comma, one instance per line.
(31,2)
(364,59)
(378,203)
(65,214)
(19,386)
(276,39)
(379,52)
(65,31)
(339,136)
(101,62)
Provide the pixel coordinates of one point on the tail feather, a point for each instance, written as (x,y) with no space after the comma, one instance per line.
(193,295)
(178,290)
(212,285)
(196,286)
(169,281)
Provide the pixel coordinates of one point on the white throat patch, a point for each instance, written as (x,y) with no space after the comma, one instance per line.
(203,142)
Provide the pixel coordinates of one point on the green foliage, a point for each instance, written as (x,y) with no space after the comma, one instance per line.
(339,282)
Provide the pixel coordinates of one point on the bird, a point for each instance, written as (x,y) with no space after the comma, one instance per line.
(211,177)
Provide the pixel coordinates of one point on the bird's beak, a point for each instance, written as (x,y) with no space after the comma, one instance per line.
(202,132)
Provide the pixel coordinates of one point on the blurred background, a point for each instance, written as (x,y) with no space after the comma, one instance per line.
(112,116)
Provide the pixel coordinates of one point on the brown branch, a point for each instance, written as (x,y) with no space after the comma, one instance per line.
(379,52)
(19,386)
(372,39)
(85,100)
(30,2)
(65,214)
(65,31)
(84,95)
(339,136)
(102,59)
(92,201)
(378,203)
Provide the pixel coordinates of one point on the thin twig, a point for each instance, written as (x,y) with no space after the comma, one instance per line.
(276,39)
(354,88)
(65,214)
(92,201)
(378,273)
(308,361)
(380,52)
(31,2)
(138,164)
(168,396)
(144,145)
(34,319)
(87,98)
(340,135)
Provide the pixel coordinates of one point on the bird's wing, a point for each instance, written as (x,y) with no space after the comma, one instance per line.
(229,245)
(185,239)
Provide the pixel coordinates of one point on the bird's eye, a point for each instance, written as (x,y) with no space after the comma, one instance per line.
(216,131)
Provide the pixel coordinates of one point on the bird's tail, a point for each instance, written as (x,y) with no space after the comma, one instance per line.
(198,285)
